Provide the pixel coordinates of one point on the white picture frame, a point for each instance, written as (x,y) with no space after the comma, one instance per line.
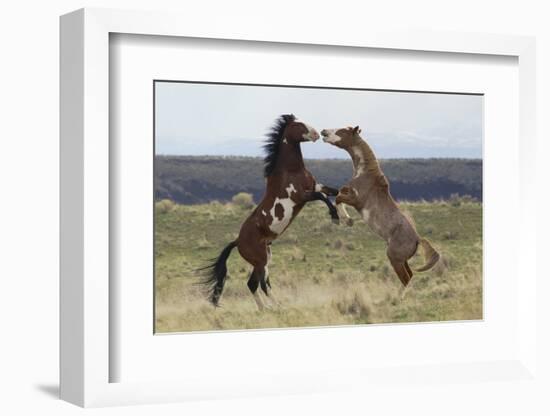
(85,214)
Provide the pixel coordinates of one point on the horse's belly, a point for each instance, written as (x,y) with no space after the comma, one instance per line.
(282,213)
(372,223)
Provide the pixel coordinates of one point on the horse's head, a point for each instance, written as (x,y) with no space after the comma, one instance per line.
(343,138)
(297,131)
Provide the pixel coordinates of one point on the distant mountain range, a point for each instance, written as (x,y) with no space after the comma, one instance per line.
(201,179)
(385,146)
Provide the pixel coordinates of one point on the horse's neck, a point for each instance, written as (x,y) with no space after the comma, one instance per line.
(290,157)
(364,159)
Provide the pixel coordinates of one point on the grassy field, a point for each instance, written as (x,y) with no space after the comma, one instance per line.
(322,274)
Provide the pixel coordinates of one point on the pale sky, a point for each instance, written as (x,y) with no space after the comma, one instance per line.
(205,119)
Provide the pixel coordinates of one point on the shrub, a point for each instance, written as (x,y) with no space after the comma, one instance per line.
(455,200)
(468,199)
(443,265)
(356,304)
(450,235)
(203,243)
(292,238)
(384,272)
(326,227)
(350,246)
(337,244)
(243,199)
(164,206)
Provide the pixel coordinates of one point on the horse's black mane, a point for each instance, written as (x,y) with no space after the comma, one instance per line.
(273,142)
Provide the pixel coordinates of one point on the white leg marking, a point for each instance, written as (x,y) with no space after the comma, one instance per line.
(343,213)
(341,207)
(402,292)
(259,300)
(318,187)
(270,296)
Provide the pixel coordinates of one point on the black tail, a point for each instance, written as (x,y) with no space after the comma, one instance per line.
(215,273)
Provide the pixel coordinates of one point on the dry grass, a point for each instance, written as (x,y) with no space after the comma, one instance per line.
(322,274)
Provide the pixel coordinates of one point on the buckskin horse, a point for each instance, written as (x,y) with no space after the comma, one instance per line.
(369,193)
(289,186)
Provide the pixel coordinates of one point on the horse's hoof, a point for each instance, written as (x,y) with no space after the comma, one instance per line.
(349,222)
(336,221)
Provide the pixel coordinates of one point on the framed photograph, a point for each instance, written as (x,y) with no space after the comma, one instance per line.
(300,259)
(234,223)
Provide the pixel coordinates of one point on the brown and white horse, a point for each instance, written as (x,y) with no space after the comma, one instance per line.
(369,193)
(289,186)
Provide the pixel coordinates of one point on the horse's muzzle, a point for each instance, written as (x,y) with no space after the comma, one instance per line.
(314,135)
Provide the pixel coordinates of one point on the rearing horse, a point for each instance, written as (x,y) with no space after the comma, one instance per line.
(289,186)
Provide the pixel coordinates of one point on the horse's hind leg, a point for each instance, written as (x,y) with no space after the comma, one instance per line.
(265,285)
(401,270)
(403,290)
(257,278)
(400,249)
(255,252)
(408,269)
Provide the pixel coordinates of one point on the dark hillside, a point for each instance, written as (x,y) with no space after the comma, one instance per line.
(200,179)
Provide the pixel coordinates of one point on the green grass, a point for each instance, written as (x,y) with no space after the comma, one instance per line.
(322,274)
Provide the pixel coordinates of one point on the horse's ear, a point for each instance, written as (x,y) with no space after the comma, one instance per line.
(356,130)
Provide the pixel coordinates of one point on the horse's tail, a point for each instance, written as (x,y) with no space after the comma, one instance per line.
(430,255)
(215,274)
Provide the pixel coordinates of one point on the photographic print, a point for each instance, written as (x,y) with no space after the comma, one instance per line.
(286,206)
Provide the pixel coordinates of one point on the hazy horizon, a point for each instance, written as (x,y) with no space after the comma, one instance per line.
(232,120)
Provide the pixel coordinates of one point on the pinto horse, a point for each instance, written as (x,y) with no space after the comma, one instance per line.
(289,186)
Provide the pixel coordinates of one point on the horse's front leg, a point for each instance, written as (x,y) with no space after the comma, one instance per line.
(346,195)
(327,190)
(320,196)
(343,213)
